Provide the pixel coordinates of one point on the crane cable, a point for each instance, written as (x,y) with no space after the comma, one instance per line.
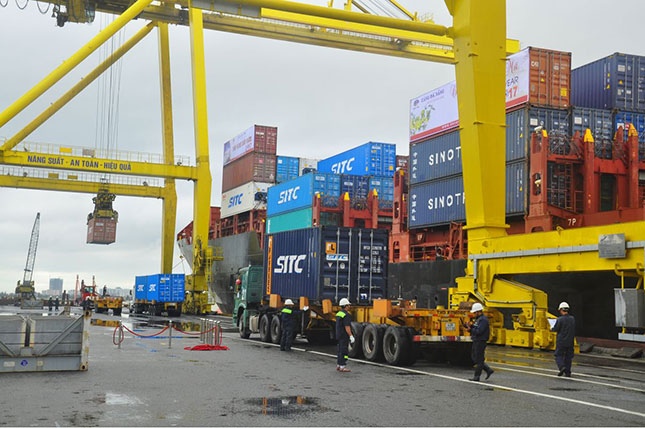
(40,10)
(5,4)
(21,8)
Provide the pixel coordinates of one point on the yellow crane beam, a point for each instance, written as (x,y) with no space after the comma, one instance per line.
(92,164)
(78,186)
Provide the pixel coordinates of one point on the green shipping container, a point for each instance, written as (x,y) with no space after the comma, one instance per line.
(289,221)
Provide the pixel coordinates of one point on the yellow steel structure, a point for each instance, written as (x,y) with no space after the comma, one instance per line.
(476,43)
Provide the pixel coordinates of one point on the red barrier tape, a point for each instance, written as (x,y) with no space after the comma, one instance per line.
(141,335)
(120,336)
(207,348)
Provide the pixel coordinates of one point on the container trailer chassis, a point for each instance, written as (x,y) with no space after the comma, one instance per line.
(153,308)
(394,331)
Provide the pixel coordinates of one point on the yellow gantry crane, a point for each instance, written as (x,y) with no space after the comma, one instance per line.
(476,43)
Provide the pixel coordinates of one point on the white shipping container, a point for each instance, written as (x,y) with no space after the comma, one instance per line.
(307,163)
(243,198)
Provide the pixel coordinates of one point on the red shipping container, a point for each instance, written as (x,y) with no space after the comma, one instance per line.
(252,167)
(402,162)
(101,230)
(258,139)
(549,78)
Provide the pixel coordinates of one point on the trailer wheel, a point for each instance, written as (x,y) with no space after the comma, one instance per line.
(396,345)
(373,342)
(415,347)
(276,331)
(265,328)
(356,350)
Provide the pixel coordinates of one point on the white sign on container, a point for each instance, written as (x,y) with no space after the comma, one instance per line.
(438,110)
(517,78)
(434,112)
(239,145)
(307,163)
(242,199)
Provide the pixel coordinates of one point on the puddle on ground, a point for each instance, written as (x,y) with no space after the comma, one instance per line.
(284,406)
(561,388)
(114,399)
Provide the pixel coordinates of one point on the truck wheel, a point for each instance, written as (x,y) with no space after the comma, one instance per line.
(415,347)
(396,345)
(276,331)
(356,350)
(265,328)
(245,333)
(373,342)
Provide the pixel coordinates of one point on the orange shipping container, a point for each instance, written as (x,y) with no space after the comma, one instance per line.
(549,78)
(101,231)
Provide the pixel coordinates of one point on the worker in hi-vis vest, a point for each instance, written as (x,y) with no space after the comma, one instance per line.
(343,335)
(288,323)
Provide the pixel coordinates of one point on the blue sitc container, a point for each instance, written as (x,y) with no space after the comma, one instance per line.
(164,288)
(377,159)
(287,168)
(614,82)
(384,187)
(327,263)
(358,186)
(299,193)
(443,201)
(636,119)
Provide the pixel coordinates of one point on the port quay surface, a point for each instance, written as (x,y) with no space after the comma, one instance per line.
(146,383)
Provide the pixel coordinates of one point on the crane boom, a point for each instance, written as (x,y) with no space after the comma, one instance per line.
(31,254)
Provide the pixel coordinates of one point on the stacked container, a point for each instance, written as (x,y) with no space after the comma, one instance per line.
(249,168)
(250,156)
(615,83)
(287,168)
(307,165)
(537,95)
(375,159)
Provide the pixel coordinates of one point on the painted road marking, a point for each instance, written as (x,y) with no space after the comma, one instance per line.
(457,379)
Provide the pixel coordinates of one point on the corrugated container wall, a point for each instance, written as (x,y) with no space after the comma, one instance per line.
(376,159)
(549,78)
(258,167)
(614,82)
(442,201)
(357,186)
(292,220)
(638,121)
(299,193)
(258,139)
(247,197)
(287,168)
(327,263)
(597,120)
(140,287)
(440,156)
(384,187)
(101,230)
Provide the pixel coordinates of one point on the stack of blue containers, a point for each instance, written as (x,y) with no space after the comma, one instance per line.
(613,85)
(355,172)
(163,287)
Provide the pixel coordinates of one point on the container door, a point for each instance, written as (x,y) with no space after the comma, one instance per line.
(336,267)
(371,259)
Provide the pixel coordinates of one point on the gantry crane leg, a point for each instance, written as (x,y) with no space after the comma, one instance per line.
(197,288)
(170,198)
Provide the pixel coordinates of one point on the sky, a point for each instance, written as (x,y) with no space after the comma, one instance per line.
(322,100)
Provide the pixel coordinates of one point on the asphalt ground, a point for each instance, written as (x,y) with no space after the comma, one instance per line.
(144,383)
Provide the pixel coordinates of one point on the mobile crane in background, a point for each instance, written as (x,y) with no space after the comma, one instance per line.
(26,291)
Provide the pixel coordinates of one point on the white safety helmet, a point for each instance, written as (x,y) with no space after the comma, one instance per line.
(476,308)
(344,302)
(563,305)
(288,302)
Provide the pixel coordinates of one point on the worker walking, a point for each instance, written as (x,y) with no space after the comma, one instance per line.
(56,303)
(288,322)
(50,303)
(343,335)
(565,326)
(480,332)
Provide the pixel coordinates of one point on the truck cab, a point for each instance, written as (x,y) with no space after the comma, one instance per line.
(248,297)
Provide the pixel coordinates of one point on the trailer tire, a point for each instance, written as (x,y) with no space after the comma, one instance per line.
(373,342)
(276,330)
(356,350)
(396,345)
(265,328)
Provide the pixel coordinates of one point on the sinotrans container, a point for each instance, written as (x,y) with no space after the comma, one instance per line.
(327,263)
